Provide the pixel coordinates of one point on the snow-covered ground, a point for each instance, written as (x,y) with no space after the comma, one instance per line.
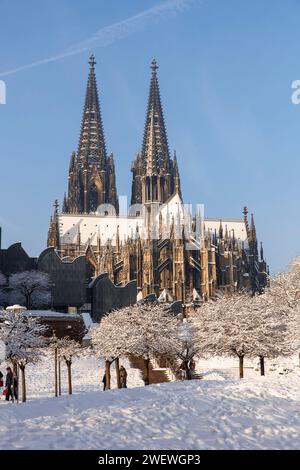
(217,412)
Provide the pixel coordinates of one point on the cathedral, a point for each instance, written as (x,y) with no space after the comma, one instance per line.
(158,240)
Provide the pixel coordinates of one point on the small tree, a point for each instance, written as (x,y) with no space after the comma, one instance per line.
(23,339)
(276,316)
(54,345)
(68,349)
(31,284)
(153,333)
(245,325)
(224,328)
(112,339)
(189,347)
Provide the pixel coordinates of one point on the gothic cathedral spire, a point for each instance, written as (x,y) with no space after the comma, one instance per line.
(91,146)
(155,143)
(92,179)
(155,174)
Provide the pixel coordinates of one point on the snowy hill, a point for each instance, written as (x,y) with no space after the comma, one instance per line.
(218,412)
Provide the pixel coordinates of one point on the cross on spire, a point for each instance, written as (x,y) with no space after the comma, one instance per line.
(154,66)
(92,61)
(56,205)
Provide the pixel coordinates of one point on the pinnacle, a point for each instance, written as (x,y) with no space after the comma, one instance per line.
(92,142)
(155,144)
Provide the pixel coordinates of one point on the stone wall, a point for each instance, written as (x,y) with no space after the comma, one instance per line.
(69,279)
(105,296)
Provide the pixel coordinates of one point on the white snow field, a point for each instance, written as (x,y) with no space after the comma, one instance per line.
(217,412)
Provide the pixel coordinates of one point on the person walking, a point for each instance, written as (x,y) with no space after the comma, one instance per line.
(9,384)
(123,377)
(104,381)
(1,384)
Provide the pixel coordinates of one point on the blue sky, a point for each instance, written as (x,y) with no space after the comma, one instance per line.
(226,69)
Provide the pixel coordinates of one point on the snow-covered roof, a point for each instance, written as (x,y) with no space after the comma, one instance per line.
(50,313)
(232,224)
(16,307)
(91,226)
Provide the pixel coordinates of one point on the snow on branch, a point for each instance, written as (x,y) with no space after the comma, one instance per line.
(143,330)
(22,336)
(242,324)
(32,286)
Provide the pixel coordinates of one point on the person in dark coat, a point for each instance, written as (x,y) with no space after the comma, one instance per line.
(15,379)
(1,379)
(106,386)
(9,384)
(104,381)
(123,377)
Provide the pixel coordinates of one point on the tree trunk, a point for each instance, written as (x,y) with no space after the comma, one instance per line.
(18,376)
(188,370)
(262,365)
(55,373)
(146,374)
(59,377)
(28,301)
(15,367)
(69,364)
(118,372)
(107,373)
(241,366)
(23,383)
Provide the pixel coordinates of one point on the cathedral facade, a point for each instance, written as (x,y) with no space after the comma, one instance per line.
(158,241)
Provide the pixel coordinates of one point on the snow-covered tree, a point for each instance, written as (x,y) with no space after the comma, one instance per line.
(189,346)
(273,327)
(68,349)
(153,333)
(54,350)
(32,286)
(23,339)
(223,328)
(111,339)
(143,330)
(243,325)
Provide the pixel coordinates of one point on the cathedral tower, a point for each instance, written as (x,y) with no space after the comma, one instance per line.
(92,179)
(155,174)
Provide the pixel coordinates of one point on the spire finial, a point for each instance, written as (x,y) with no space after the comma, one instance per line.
(92,61)
(220,229)
(154,66)
(56,205)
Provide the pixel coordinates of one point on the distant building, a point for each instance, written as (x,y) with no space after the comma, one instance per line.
(71,290)
(161,246)
(60,324)
(15,259)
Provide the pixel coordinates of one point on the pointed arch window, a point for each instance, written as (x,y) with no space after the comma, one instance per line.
(93,198)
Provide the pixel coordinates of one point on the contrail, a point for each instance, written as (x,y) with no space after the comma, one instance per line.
(112,33)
